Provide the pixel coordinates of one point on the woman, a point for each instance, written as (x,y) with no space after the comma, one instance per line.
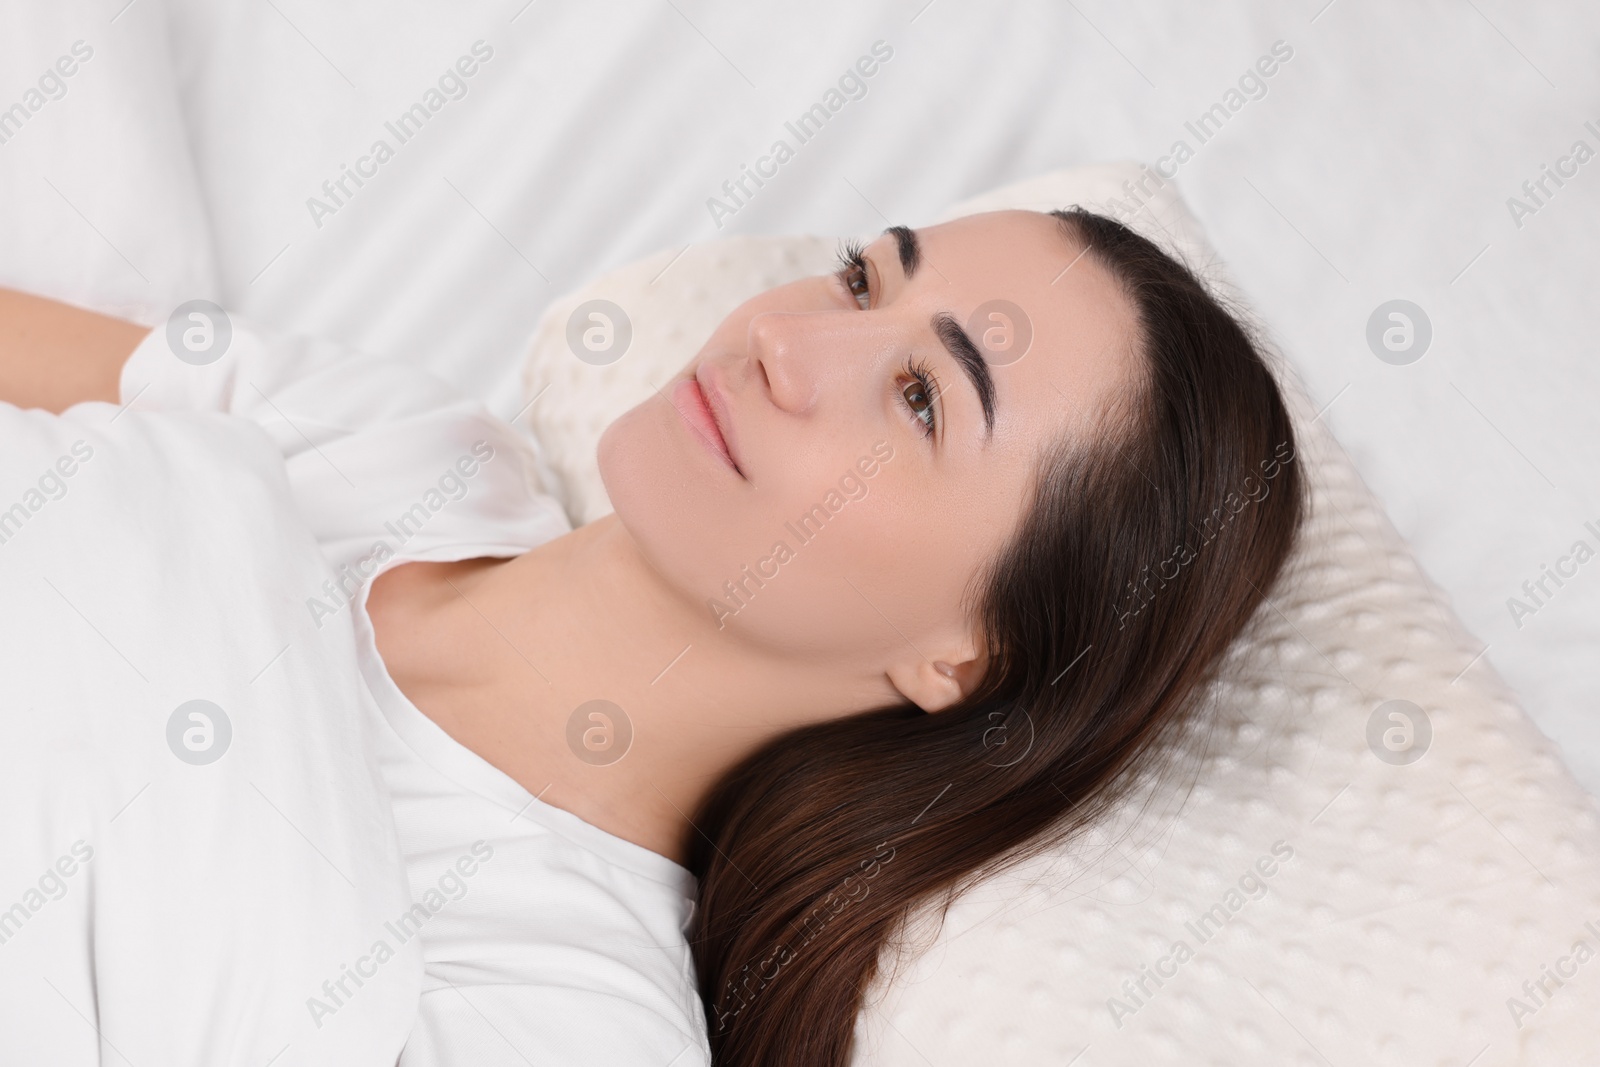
(876,610)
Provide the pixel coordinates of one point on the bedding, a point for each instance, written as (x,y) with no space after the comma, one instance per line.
(196,833)
(134,247)
(1407,926)
(1364,853)
(231,838)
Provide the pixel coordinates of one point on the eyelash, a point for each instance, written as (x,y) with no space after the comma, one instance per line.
(852,271)
(852,268)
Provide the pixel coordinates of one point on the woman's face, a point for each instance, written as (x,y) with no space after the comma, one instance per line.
(862,500)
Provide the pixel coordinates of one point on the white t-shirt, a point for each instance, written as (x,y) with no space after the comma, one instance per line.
(544,938)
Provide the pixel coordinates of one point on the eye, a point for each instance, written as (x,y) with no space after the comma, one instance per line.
(920,395)
(852,273)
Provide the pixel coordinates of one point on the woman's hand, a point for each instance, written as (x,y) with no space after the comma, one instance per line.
(53,355)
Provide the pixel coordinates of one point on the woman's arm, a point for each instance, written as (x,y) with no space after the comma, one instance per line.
(53,355)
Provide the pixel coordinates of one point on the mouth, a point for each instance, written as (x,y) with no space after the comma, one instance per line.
(704,409)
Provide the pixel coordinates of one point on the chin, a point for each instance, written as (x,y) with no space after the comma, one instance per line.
(641,472)
(667,503)
(678,509)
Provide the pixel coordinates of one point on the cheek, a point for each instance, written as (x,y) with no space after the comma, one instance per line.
(768,565)
(860,577)
(929,542)
(911,560)
(804,565)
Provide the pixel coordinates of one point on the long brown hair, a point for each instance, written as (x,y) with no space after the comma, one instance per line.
(1143,555)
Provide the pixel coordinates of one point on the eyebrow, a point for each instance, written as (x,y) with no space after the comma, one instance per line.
(970,360)
(955,339)
(910,250)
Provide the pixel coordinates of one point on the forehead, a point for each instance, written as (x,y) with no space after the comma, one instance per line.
(1007,274)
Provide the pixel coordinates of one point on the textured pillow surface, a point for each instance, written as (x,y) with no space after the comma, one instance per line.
(1328,878)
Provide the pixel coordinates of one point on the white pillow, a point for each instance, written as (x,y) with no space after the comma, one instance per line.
(1407,902)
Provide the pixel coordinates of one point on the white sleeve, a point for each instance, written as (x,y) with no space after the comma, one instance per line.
(377,451)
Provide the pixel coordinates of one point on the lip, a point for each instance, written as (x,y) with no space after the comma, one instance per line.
(704,407)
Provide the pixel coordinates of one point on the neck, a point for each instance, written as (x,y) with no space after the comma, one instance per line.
(586,618)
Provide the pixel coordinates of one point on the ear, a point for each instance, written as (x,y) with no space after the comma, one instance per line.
(936,684)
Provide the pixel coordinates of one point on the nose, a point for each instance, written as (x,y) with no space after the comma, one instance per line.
(779,345)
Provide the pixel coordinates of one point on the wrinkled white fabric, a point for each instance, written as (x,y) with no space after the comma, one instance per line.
(344,884)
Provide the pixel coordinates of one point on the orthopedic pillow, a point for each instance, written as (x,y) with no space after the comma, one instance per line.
(1308,901)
